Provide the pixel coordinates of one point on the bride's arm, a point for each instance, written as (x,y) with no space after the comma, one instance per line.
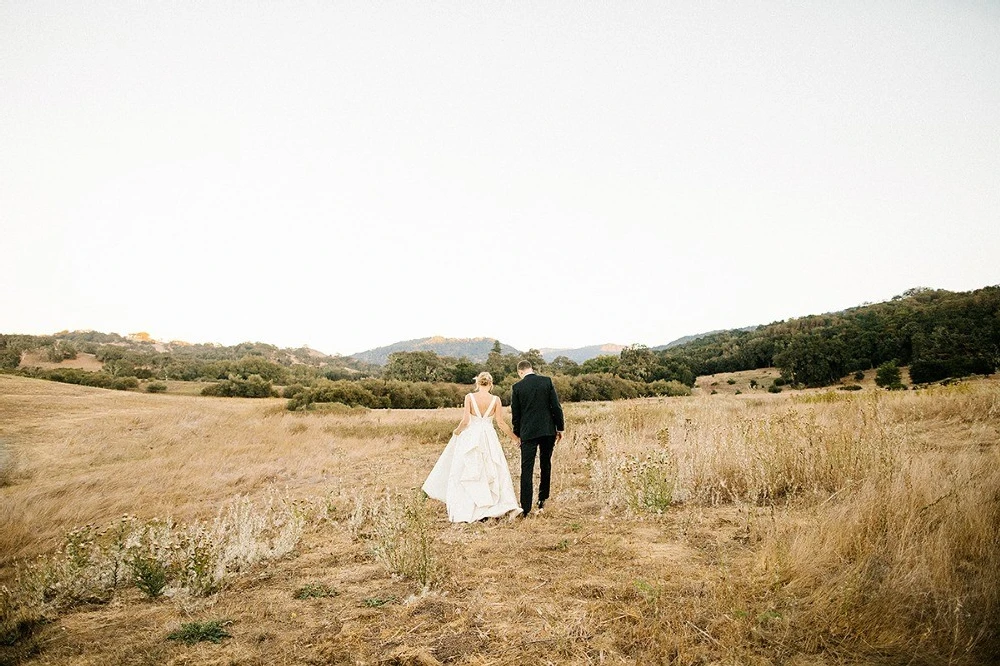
(502,422)
(465,417)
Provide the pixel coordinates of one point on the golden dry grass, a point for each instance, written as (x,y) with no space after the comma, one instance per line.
(818,527)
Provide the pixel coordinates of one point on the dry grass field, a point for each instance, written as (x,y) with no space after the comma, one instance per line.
(800,528)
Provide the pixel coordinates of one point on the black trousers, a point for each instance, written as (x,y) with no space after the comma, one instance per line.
(529,448)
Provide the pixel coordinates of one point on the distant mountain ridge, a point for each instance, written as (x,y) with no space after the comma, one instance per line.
(478,349)
(474,349)
(581,354)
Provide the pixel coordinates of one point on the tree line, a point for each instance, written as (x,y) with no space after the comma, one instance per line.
(937,333)
(409,380)
(423,379)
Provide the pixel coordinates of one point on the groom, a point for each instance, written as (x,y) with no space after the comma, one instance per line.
(538,422)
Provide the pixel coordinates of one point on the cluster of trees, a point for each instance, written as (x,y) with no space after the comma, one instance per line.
(605,386)
(637,372)
(235,386)
(937,333)
(11,348)
(637,363)
(377,394)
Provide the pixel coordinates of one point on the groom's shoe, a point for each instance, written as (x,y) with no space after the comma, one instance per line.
(541,505)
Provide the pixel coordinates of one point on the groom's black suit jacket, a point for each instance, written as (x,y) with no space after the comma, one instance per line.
(535,409)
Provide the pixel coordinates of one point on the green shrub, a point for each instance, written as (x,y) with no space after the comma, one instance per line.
(730,381)
(774,388)
(859,375)
(604,387)
(60,351)
(9,358)
(125,383)
(669,388)
(888,376)
(149,574)
(314,591)
(253,386)
(850,387)
(381,394)
(82,378)
(156,387)
(196,632)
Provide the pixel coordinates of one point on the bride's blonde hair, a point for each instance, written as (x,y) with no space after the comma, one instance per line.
(484,379)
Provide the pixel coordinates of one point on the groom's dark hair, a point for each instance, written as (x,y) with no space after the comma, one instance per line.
(523,365)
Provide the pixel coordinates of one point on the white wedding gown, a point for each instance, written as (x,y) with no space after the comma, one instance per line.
(471,477)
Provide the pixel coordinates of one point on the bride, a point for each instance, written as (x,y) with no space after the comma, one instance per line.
(471,477)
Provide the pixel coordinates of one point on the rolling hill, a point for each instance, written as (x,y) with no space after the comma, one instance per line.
(475,349)
(581,354)
(478,349)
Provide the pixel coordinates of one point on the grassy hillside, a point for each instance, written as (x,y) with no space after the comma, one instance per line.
(90,350)
(813,527)
(938,333)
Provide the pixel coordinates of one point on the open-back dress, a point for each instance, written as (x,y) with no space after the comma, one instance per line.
(471,477)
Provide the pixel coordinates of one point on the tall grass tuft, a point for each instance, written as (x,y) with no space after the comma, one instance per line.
(737,452)
(773,456)
(7,465)
(906,564)
(22,606)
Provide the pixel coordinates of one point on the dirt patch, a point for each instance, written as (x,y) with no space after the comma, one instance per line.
(82,362)
(453,647)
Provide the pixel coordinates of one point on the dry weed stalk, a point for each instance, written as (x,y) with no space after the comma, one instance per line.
(93,563)
(398,530)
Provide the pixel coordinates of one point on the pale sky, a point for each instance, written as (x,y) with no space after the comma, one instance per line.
(552,174)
